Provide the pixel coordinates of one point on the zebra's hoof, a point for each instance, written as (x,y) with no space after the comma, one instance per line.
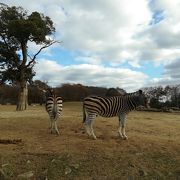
(125,138)
(121,136)
(57,133)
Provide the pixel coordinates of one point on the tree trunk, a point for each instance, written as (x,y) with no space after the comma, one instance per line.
(22,98)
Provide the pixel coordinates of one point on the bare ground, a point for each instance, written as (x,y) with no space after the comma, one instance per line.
(151,152)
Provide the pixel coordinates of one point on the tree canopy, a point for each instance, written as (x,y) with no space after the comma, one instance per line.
(17,29)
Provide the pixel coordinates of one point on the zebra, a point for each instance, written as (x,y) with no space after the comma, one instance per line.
(111,106)
(53,107)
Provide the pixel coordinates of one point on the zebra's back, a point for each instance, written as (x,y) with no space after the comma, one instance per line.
(54,107)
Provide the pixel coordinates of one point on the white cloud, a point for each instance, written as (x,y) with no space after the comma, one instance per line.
(171,75)
(88,59)
(86,74)
(34,48)
(103,28)
(116,32)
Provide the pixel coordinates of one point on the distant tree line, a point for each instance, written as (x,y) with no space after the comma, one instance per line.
(69,92)
(168,96)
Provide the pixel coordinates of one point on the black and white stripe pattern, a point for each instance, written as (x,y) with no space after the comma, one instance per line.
(54,108)
(110,107)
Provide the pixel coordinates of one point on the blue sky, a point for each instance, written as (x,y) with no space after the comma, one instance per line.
(110,43)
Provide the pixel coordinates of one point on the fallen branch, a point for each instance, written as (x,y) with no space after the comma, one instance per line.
(10,141)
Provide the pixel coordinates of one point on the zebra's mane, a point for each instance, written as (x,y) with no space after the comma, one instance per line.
(127,95)
(136,93)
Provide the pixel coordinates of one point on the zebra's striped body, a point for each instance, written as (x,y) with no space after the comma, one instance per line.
(110,107)
(54,109)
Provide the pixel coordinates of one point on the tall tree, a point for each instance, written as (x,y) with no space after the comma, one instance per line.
(17,29)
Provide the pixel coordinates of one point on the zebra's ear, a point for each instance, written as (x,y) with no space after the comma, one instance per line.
(140,91)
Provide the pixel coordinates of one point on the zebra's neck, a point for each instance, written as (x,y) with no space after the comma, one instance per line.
(132,102)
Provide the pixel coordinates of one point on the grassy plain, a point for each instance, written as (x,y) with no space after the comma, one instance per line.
(151,152)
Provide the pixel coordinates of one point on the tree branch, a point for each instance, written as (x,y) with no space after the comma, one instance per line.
(45,46)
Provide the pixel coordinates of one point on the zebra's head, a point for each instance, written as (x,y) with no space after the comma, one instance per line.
(144,100)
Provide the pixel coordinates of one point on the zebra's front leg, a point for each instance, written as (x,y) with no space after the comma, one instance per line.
(121,129)
(123,133)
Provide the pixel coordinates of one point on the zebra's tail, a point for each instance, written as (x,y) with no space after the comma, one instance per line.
(84,114)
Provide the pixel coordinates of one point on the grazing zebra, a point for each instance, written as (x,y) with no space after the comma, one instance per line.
(53,107)
(110,107)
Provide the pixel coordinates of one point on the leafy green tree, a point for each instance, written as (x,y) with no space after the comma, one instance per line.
(17,30)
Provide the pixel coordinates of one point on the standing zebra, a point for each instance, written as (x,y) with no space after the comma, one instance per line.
(110,107)
(53,107)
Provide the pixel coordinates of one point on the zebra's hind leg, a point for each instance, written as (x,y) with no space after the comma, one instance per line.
(121,129)
(51,125)
(92,131)
(91,119)
(87,126)
(56,128)
(88,131)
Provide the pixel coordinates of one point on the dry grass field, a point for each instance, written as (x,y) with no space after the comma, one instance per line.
(151,152)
